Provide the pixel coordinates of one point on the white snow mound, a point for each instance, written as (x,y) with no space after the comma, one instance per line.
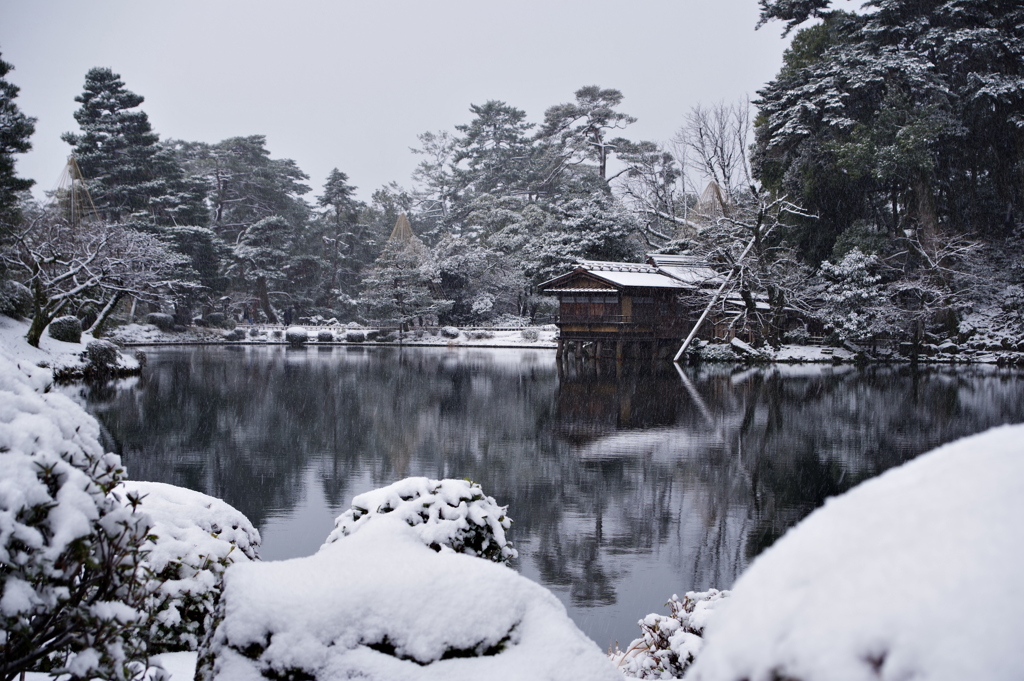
(380,605)
(913,574)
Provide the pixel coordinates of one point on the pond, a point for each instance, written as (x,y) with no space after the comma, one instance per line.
(627,483)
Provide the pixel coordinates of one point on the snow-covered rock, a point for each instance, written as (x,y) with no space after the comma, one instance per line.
(915,574)
(195,538)
(447,515)
(380,606)
(669,643)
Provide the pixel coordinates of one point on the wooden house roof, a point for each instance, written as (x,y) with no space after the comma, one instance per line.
(609,277)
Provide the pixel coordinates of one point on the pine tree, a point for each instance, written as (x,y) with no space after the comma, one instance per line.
(117,150)
(399,287)
(15,130)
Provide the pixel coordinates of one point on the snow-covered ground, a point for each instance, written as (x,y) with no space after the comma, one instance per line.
(914,574)
(143,334)
(51,354)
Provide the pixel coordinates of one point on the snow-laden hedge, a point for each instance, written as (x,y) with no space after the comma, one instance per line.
(915,574)
(669,643)
(381,606)
(72,579)
(194,539)
(67,329)
(447,515)
(296,335)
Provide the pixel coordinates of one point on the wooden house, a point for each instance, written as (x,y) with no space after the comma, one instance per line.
(632,309)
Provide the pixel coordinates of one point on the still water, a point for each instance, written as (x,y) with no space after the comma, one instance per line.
(626,484)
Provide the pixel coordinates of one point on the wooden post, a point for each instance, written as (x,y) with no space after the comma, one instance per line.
(618,351)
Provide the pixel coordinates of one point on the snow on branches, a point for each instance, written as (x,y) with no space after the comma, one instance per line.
(72,578)
(447,515)
(669,643)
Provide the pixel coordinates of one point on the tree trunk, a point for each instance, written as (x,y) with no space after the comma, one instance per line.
(261,293)
(927,217)
(40,317)
(97,327)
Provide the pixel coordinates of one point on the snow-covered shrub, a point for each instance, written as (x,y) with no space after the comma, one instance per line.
(66,328)
(854,296)
(72,579)
(449,332)
(160,320)
(194,539)
(234,335)
(530,334)
(15,299)
(669,644)
(865,587)
(480,334)
(391,337)
(254,333)
(101,358)
(324,336)
(447,515)
(353,336)
(380,606)
(216,319)
(513,320)
(276,333)
(353,325)
(296,335)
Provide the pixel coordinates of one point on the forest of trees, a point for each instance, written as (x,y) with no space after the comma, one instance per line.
(880,176)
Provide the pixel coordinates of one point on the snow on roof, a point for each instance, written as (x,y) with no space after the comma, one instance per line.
(581,290)
(638,275)
(686,268)
(913,574)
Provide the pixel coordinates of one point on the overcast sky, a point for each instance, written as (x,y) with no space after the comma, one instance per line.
(350,84)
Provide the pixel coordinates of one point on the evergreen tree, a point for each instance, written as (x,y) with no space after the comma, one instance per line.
(578,130)
(117,150)
(344,237)
(909,117)
(15,130)
(261,254)
(398,289)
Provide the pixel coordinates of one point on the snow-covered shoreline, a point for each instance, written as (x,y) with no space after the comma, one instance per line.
(135,335)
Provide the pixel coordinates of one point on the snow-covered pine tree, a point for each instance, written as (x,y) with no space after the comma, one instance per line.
(15,130)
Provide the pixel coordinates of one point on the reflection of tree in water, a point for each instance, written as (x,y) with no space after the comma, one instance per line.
(726,461)
(705,469)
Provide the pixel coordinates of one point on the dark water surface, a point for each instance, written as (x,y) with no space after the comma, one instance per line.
(626,484)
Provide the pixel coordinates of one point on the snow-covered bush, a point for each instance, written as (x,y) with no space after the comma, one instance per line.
(449,332)
(296,335)
(101,358)
(530,334)
(513,320)
(380,606)
(216,319)
(447,515)
(854,296)
(72,579)
(669,644)
(234,335)
(914,574)
(353,336)
(391,337)
(480,334)
(15,299)
(194,539)
(160,320)
(324,336)
(66,328)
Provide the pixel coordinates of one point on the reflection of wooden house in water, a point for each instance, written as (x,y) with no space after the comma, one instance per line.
(638,309)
